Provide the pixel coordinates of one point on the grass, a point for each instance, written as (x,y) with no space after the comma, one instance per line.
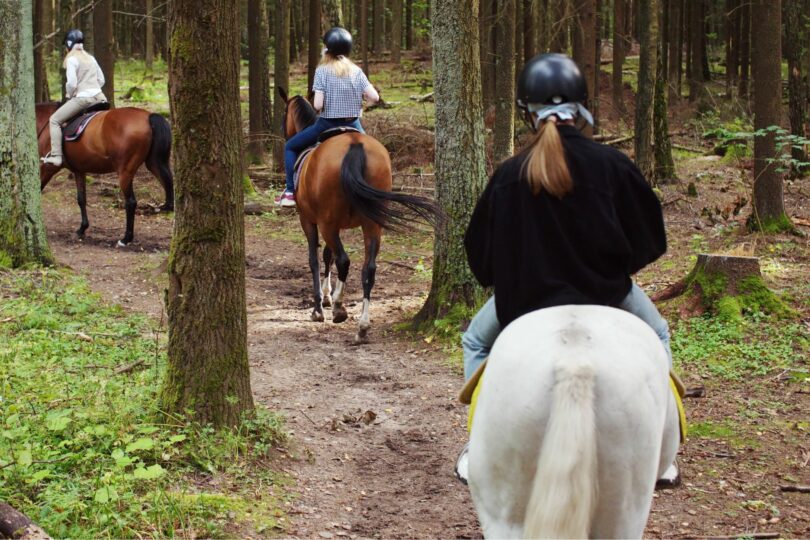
(84,450)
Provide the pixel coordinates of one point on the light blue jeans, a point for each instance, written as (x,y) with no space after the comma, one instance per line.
(484,328)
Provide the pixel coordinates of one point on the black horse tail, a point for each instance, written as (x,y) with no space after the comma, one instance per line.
(159,153)
(375,204)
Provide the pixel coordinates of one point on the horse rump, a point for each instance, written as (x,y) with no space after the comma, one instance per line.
(376,204)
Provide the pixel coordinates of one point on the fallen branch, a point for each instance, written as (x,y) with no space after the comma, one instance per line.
(422,99)
(15,524)
(127,368)
(671,201)
(755,536)
(396,263)
(687,149)
(795,489)
(697,392)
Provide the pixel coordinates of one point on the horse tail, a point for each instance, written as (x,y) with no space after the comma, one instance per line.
(374,203)
(159,153)
(564,490)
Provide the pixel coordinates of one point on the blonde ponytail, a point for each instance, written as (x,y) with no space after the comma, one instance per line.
(546,168)
(339,65)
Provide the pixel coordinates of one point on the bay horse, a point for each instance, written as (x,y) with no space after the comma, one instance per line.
(343,184)
(574,423)
(115,141)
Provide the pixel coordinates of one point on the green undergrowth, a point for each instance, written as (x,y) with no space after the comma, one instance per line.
(754,345)
(83,449)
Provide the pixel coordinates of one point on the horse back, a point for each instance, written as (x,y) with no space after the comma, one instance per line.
(114,140)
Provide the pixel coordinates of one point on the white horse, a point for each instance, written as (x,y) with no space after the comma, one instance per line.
(575,421)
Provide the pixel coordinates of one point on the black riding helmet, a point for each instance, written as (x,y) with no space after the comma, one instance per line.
(338,41)
(551,79)
(72,38)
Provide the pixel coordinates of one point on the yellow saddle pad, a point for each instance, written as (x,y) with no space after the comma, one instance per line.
(469,396)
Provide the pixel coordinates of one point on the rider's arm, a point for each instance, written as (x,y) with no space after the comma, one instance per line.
(317,101)
(99,76)
(478,240)
(371,95)
(71,67)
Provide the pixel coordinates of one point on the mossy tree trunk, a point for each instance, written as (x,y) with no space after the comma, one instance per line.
(620,46)
(314,45)
(745,48)
(643,140)
(281,74)
(333,12)
(208,369)
(504,131)
(22,234)
(766,67)
(41,92)
(662,145)
(149,45)
(104,46)
(797,52)
(460,160)
(258,78)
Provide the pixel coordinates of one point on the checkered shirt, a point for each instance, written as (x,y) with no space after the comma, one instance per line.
(343,96)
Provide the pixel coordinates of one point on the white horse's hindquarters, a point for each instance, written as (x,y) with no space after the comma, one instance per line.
(513,408)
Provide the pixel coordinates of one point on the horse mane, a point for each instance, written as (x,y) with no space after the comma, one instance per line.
(305,114)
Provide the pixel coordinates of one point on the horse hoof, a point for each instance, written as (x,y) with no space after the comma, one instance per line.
(317,316)
(327,301)
(339,314)
(121,244)
(167,208)
(361,337)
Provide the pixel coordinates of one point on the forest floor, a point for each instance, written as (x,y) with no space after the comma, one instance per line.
(376,428)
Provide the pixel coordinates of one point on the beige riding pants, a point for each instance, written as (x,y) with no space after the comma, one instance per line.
(71,108)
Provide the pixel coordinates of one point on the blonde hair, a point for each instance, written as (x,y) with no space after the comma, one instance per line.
(546,168)
(339,65)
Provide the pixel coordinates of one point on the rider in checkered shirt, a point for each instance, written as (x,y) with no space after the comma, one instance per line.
(340,87)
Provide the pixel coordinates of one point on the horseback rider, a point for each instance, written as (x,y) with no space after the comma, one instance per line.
(83,89)
(565,221)
(339,88)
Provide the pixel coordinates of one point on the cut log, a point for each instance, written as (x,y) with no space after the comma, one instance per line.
(15,524)
(256,209)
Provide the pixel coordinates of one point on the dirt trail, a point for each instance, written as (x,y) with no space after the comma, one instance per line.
(387,473)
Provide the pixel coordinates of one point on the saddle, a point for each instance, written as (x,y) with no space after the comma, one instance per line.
(76,125)
(469,396)
(302,157)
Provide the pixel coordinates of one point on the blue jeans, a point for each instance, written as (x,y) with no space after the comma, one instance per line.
(484,328)
(306,138)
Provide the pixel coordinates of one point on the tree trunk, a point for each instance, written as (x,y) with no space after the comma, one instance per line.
(620,45)
(15,524)
(766,69)
(745,47)
(378,32)
(41,92)
(149,47)
(529,29)
(314,43)
(559,28)
(648,25)
(281,74)
(797,52)
(364,34)
(258,78)
(674,67)
(22,234)
(505,83)
(104,46)
(584,48)
(333,12)
(460,162)
(408,25)
(208,370)
(396,31)
(664,163)
(696,62)
(486,45)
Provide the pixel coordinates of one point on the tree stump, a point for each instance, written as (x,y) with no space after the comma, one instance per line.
(14,524)
(727,285)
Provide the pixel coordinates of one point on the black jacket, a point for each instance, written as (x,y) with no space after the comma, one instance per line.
(541,251)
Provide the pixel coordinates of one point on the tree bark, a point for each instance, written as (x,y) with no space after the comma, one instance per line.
(559,28)
(314,43)
(648,25)
(149,47)
(364,34)
(258,78)
(396,31)
(281,74)
(408,25)
(766,69)
(696,62)
(104,46)
(22,234)
(662,145)
(745,48)
(208,370)
(15,524)
(620,45)
(486,45)
(504,130)
(797,52)
(584,48)
(460,161)
(41,92)
(530,8)
(378,32)
(674,42)
(333,12)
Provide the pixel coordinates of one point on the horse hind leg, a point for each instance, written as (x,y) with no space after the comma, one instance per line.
(130,205)
(326,288)
(372,236)
(81,199)
(339,313)
(164,176)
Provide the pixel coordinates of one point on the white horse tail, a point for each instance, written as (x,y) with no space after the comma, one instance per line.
(563,495)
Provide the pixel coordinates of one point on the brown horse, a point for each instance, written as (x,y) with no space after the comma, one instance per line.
(346,183)
(119,141)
